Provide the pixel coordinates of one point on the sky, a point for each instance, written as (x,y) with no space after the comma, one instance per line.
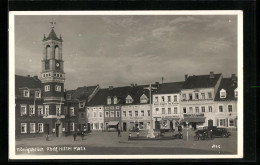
(120,50)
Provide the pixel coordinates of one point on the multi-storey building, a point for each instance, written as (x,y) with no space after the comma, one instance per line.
(166,105)
(136,111)
(197,99)
(226,103)
(74,109)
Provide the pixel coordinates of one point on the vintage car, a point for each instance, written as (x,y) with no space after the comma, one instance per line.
(210,132)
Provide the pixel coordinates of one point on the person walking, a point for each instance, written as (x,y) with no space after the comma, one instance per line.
(118,132)
(75,136)
(82,135)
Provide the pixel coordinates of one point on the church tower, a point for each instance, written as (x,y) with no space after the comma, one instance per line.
(53,78)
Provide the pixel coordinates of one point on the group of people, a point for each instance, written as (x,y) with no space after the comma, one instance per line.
(82,134)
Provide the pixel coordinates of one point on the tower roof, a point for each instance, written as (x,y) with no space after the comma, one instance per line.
(52,36)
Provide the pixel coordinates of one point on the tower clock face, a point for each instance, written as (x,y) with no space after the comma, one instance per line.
(47,65)
(57,65)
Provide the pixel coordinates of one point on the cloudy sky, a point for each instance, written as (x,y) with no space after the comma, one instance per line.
(120,50)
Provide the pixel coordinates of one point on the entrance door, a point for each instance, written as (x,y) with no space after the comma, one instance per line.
(194,126)
(46,129)
(210,123)
(57,130)
(88,127)
(171,125)
(157,124)
(124,126)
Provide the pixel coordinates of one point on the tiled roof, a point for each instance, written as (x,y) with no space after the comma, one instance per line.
(201,81)
(121,93)
(52,36)
(26,82)
(229,85)
(165,88)
(81,93)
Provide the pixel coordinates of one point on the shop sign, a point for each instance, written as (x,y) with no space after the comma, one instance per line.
(193,115)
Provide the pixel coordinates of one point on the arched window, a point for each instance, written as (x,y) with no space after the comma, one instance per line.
(48,52)
(56,52)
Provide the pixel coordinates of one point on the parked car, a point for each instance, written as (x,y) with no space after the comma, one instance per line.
(210,132)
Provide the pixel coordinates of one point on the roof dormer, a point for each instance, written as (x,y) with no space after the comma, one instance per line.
(26,93)
(115,100)
(108,100)
(143,99)
(129,99)
(235,93)
(223,93)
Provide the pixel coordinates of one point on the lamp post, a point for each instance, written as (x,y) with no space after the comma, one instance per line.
(187,123)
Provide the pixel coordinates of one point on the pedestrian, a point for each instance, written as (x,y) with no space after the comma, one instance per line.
(75,136)
(118,132)
(47,137)
(82,135)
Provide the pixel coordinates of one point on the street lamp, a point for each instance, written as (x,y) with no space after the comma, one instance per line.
(187,123)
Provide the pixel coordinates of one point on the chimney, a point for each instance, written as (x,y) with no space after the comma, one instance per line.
(28,75)
(211,74)
(110,87)
(233,76)
(186,77)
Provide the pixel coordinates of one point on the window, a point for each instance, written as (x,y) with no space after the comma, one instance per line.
(58,88)
(222,93)
(46,110)
(136,113)
(148,125)
(209,95)
(203,96)
(231,122)
(197,109)
(23,127)
(23,110)
(117,114)
(156,99)
(156,110)
(40,110)
(94,114)
(106,114)
(175,110)
(112,114)
(81,104)
(175,98)
(142,113)
(148,113)
(184,109)
(72,111)
(71,126)
(100,114)
(236,93)
(37,94)
(32,127)
(58,110)
(40,127)
(163,110)
(162,98)
(190,110)
(124,113)
(229,108)
(141,125)
(196,96)
(169,98)
(190,96)
(169,111)
(130,113)
(221,122)
(31,110)
(26,93)
(210,108)
(117,107)
(115,100)
(47,88)
(202,109)
(184,96)
(220,108)
(108,100)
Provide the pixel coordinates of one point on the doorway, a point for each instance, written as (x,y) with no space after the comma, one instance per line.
(157,124)
(171,125)
(124,126)
(210,123)
(46,129)
(88,127)
(194,126)
(57,130)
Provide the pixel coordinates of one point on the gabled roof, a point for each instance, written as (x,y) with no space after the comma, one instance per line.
(166,88)
(229,85)
(52,36)
(26,82)
(201,81)
(81,93)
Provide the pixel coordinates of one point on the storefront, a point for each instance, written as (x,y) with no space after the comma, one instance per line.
(167,122)
(193,120)
(112,125)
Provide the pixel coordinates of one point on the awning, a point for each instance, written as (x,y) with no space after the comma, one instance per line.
(112,123)
(194,119)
